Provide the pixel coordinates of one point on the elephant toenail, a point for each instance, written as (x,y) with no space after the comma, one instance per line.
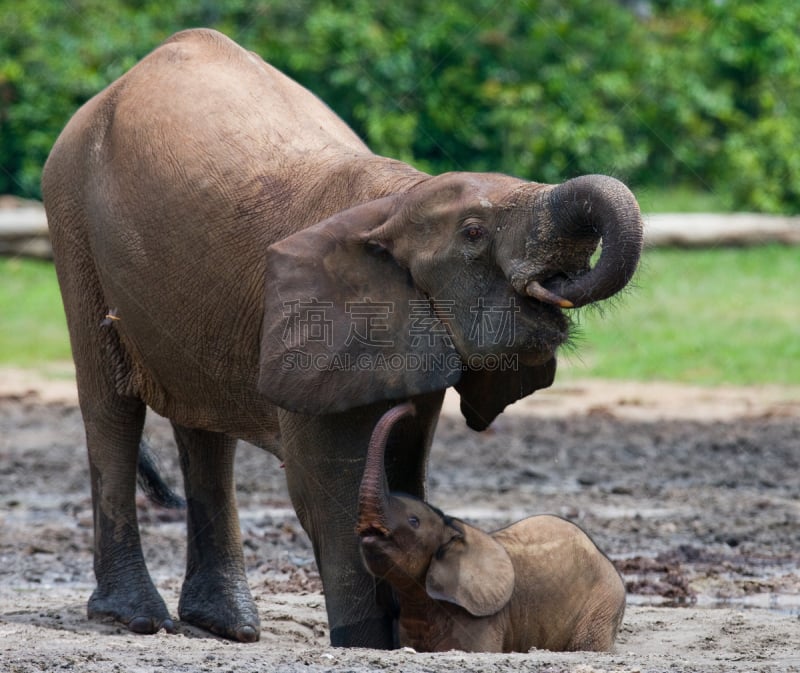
(141,625)
(247,634)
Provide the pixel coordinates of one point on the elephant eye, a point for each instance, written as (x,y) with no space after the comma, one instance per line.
(474,233)
(413,522)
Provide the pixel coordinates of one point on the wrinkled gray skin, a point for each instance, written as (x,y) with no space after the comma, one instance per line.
(199,208)
(540,582)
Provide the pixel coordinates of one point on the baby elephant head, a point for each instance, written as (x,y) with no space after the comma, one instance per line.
(419,550)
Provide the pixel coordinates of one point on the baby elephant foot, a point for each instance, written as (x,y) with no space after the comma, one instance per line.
(144,615)
(227,611)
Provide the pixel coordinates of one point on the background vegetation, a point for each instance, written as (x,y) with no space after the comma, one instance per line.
(696,316)
(696,105)
(704,93)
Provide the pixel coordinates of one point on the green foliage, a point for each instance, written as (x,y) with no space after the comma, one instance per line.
(702,93)
(725,85)
(680,199)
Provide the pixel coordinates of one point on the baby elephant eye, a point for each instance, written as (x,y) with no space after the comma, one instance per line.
(413,522)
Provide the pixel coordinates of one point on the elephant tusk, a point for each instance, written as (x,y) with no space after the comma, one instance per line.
(535,290)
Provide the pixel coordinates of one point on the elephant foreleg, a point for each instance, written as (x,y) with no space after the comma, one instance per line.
(325,505)
(324,460)
(215,594)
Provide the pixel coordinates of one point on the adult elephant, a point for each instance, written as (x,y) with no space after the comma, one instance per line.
(231,255)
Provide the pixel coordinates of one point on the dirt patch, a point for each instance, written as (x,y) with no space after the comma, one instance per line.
(693,493)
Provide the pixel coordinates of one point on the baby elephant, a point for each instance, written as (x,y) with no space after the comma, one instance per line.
(540,583)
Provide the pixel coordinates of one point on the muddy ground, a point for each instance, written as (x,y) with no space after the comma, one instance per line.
(693,492)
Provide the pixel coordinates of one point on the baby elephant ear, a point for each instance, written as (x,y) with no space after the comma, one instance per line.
(344,324)
(474,572)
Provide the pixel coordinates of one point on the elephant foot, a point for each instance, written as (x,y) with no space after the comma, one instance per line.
(145,615)
(228,611)
(376,633)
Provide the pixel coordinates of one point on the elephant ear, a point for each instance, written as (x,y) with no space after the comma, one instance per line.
(473,571)
(484,394)
(344,324)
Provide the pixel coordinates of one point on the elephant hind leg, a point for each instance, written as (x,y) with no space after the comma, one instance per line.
(113,419)
(125,591)
(596,630)
(215,594)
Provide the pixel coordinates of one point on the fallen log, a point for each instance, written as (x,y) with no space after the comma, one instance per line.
(23,229)
(692,230)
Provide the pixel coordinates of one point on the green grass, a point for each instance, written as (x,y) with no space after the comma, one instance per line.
(33,329)
(728,315)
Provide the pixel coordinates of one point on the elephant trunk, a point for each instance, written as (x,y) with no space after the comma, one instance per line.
(578,213)
(373,493)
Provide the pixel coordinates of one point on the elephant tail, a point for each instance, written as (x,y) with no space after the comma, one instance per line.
(152,483)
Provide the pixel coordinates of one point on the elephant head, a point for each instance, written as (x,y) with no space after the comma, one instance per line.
(463,279)
(418,549)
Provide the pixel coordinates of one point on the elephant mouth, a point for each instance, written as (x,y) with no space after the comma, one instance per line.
(375,552)
(371,534)
(543,329)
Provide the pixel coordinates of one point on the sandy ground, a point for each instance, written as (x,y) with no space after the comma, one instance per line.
(693,492)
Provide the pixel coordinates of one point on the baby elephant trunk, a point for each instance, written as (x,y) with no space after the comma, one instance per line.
(372,496)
